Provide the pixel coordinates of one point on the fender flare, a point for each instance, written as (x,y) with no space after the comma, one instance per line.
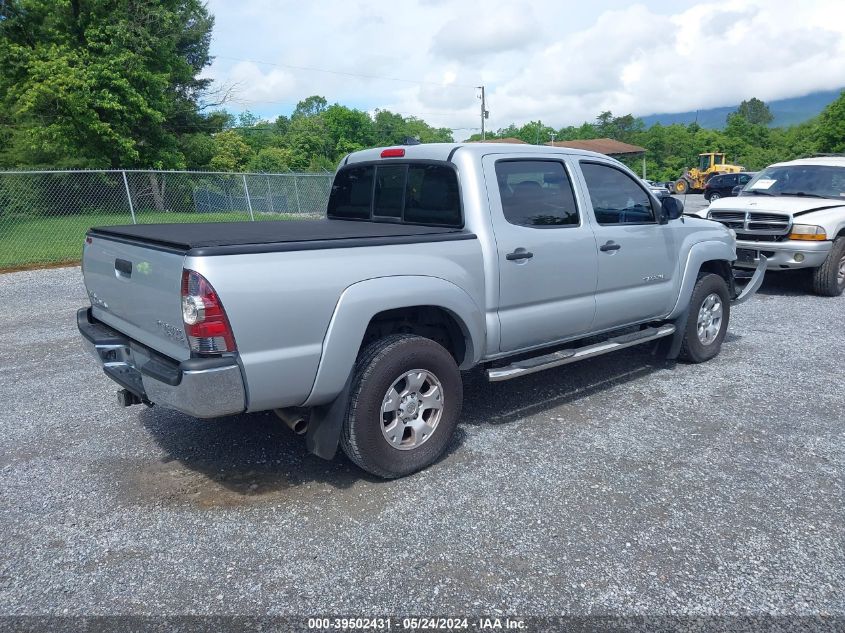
(361,301)
(357,305)
(699,253)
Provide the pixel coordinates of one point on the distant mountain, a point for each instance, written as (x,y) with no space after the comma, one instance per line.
(786,111)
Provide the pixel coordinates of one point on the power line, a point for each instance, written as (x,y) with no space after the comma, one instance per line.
(346,74)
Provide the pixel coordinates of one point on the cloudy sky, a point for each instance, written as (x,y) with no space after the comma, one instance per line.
(561,61)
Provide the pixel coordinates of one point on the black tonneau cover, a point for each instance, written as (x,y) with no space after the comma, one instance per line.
(227,238)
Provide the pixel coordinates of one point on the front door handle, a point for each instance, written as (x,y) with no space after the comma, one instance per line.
(610,246)
(519,253)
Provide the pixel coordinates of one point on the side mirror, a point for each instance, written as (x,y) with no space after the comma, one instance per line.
(672,208)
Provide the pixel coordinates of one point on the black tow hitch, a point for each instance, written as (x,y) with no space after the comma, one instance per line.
(126,398)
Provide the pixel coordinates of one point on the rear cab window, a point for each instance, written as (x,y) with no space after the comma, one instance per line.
(407,192)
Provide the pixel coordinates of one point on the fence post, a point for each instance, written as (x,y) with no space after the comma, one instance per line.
(248,201)
(128,197)
(296,190)
(270,195)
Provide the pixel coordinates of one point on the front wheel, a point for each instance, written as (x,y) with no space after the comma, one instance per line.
(829,278)
(681,186)
(707,324)
(404,405)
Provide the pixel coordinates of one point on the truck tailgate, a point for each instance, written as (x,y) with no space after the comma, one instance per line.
(136,289)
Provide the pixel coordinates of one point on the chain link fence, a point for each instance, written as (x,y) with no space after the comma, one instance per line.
(44,214)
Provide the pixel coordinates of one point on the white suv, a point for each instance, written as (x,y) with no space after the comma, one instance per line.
(794,214)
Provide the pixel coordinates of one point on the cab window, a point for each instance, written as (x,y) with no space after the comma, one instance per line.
(616,197)
(536,193)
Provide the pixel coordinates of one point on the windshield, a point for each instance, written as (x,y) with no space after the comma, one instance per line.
(816,181)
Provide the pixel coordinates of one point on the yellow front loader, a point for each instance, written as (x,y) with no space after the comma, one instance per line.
(709,163)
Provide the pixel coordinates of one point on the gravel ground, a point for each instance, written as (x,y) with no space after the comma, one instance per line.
(694,203)
(618,486)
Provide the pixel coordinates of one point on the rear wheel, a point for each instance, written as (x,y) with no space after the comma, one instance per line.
(714,196)
(404,406)
(707,324)
(829,278)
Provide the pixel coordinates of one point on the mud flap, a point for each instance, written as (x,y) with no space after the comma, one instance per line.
(670,347)
(325,424)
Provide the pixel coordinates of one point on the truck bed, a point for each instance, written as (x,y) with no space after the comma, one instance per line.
(230,238)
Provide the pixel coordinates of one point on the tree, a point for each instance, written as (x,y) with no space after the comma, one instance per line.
(231,153)
(536,133)
(198,150)
(310,106)
(391,128)
(348,130)
(830,135)
(101,83)
(604,124)
(755,112)
(271,160)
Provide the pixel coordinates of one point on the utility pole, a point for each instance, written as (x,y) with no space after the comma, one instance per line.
(484,113)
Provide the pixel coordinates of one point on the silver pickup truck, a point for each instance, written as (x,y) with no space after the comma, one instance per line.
(432,259)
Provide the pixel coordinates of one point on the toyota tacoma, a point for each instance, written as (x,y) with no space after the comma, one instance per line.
(431,259)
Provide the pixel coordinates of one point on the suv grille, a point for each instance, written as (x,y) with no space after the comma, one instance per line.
(753,222)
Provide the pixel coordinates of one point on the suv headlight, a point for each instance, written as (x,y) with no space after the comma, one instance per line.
(807,232)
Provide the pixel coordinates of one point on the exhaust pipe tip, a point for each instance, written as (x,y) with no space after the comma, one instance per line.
(299,426)
(294,419)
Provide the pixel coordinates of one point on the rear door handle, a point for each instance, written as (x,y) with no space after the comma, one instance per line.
(519,253)
(610,246)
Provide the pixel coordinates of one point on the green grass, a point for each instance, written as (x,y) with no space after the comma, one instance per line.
(34,241)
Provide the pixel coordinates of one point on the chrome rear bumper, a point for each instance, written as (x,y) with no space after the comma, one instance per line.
(202,387)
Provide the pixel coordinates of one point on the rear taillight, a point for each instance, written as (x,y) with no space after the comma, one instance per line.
(205,319)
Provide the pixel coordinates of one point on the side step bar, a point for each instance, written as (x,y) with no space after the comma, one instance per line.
(566,356)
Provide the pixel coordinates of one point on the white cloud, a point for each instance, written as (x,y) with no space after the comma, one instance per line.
(497,29)
(271,86)
(548,60)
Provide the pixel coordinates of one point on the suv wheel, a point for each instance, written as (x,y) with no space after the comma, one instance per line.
(709,315)
(829,278)
(714,196)
(404,405)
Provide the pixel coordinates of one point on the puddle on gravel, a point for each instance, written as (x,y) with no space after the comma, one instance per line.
(140,482)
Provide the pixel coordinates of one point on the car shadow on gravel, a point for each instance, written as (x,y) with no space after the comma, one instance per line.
(509,401)
(789,283)
(255,457)
(232,460)
(248,455)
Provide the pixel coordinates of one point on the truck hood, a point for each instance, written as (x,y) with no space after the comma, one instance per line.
(788,205)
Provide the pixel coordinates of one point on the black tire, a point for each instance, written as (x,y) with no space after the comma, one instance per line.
(826,281)
(693,349)
(681,186)
(714,196)
(378,366)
